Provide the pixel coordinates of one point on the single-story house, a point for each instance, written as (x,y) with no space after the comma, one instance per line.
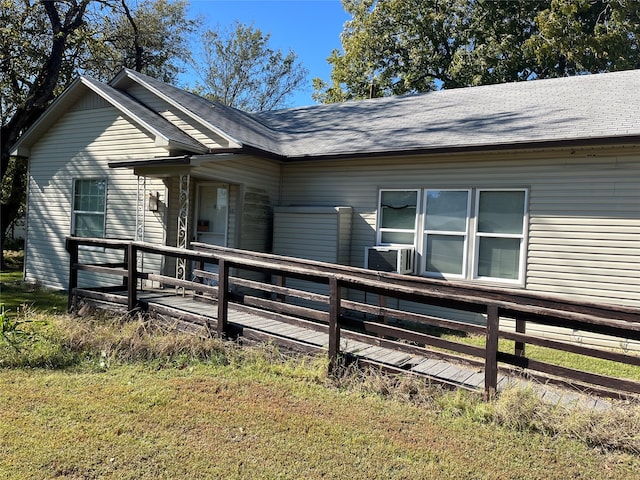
(532,185)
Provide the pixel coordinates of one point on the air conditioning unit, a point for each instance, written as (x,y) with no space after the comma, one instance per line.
(389,259)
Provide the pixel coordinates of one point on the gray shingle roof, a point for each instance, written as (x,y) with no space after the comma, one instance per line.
(575,109)
(240,126)
(555,110)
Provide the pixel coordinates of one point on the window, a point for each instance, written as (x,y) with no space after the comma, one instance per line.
(398,217)
(89,202)
(466,233)
(499,233)
(446,218)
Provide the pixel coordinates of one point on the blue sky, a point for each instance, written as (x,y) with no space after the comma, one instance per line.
(311,28)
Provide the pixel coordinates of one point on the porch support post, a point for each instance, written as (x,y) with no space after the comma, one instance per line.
(183,225)
(140,210)
(132,277)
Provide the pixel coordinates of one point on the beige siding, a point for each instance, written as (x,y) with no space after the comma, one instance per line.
(80,145)
(584,232)
(187,124)
(314,233)
(89,101)
(254,187)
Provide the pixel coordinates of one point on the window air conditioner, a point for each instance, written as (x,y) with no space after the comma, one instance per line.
(389,259)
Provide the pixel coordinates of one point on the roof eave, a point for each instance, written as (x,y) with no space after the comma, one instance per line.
(493,147)
(181,160)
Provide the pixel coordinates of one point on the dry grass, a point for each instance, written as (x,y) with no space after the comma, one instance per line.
(129,398)
(614,429)
(239,421)
(138,338)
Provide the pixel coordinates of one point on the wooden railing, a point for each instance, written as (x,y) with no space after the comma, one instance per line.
(338,299)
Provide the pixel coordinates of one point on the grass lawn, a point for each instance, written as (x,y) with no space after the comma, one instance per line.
(115,398)
(557,357)
(243,422)
(18,296)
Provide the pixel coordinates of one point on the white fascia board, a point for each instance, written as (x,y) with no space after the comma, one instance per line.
(233,142)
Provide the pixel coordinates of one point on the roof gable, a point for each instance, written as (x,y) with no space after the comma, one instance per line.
(239,128)
(166,134)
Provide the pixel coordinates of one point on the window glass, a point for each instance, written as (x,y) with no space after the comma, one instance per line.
(397,223)
(445,254)
(89,207)
(501,212)
(89,225)
(398,209)
(499,257)
(401,238)
(446,210)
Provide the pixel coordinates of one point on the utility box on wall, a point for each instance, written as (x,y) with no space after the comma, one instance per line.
(314,233)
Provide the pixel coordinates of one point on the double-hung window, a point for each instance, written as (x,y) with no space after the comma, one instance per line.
(89,204)
(499,234)
(446,232)
(397,219)
(466,233)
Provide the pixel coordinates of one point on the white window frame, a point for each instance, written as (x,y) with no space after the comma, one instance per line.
(75,212)
(521,236)
(380,230)
(471,249)
(426,232)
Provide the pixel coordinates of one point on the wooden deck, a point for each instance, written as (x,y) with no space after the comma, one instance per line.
(257,325)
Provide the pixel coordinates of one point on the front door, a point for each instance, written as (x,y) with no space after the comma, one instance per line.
(212,213)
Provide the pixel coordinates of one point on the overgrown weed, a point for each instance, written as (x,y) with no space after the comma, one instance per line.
(105,338)
(616,429)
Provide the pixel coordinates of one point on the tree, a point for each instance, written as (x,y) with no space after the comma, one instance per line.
(152,39)
(45,43)
(581,36)
(238,68)
(392,47)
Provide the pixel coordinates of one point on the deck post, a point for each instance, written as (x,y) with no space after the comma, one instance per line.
(521,327)
(72,248)
(132,277)
(280,281)
(223,297)
(491,353)
(334,324)
(125,263)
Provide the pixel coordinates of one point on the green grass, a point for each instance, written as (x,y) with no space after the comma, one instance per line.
(121,398)
(19,297)
(253,419)
(557,357)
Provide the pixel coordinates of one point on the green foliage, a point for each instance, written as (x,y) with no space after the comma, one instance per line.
(393,47)
(239,69)
(45,44)
(153,39)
